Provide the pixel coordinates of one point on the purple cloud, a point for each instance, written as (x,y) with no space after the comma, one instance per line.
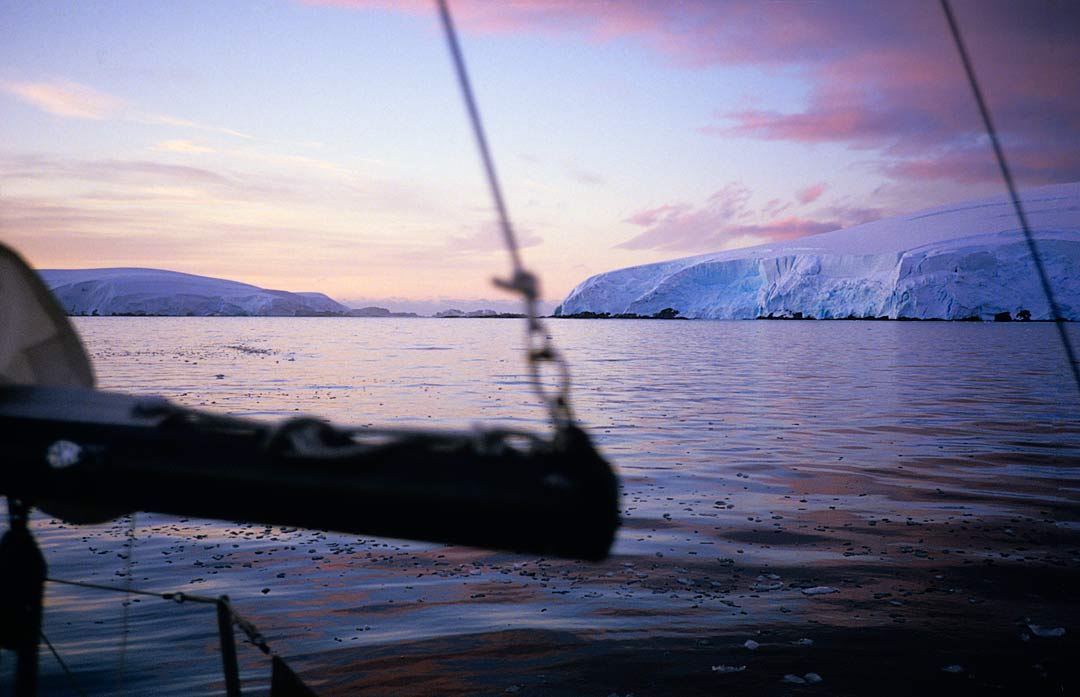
(901,91)
(724,220)
(811,193)
(681,226)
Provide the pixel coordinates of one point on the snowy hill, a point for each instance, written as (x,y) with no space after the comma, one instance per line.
(156,292)
(953,262)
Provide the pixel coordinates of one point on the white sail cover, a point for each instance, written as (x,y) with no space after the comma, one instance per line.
(38,345)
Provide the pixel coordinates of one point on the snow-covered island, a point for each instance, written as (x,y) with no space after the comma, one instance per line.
(133,291)
(954,262)
(473,314)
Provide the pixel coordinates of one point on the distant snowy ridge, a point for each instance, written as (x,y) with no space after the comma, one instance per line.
(132,291)
(952,262)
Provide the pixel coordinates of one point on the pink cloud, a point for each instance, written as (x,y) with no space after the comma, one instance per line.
(651,216)
(1033,164)
(726,219)
(811,193)
(775,207)
(903,94)
(682,226)
(76,101)
(66,98)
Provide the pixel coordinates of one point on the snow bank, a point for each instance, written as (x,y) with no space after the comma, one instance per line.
(951,262)
(124,291)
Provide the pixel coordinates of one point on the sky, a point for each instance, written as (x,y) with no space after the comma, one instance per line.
(322,145)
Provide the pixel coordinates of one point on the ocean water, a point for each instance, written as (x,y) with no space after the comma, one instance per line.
(905,474)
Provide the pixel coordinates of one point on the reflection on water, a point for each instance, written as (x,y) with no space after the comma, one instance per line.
(907,468)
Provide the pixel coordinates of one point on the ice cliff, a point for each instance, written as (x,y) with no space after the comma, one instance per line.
(953,262)
(124,291)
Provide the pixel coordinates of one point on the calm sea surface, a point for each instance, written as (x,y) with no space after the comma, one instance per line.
(897,466)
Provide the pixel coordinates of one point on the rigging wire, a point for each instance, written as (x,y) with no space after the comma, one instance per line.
(1006,174)
(67,671)
(179,597)
(540,347)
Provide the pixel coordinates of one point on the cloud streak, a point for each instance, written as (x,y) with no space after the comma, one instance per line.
(183,146)
(113,171)
(73,100)
(811,193)
(727,220)
(684,227)
(166,120)
(67,99)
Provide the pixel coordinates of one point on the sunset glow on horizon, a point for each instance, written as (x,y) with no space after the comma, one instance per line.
(323,145)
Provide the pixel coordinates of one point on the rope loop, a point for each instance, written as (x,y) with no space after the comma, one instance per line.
(556,399)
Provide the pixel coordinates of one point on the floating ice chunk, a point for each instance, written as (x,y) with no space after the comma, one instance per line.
(953,669)
(1046,632)
(751,644)
(813,678)
(728,669)
(804,642)
(820,590)
(792,678)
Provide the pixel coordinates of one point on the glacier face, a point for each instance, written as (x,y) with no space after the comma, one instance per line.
(132,291)
(952,262)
